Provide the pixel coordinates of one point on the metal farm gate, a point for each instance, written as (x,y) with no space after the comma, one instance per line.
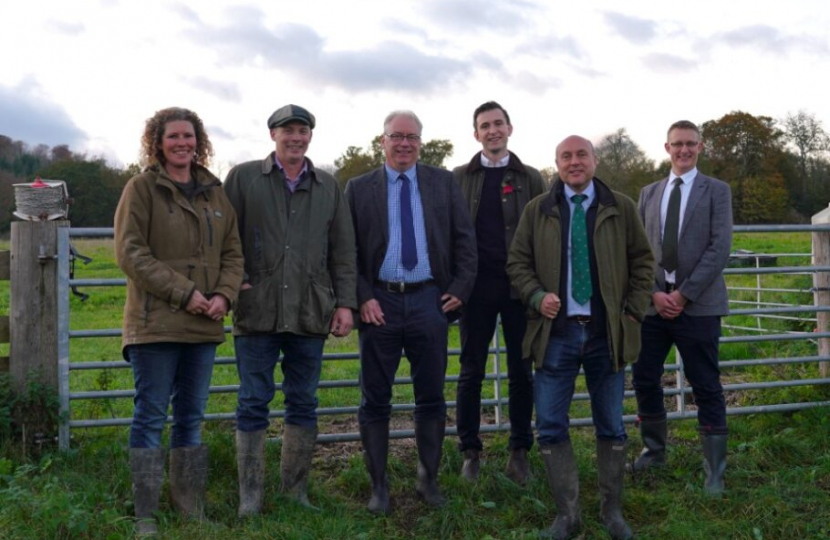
(815,302)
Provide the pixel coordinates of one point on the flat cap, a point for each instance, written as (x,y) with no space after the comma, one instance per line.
(290,113)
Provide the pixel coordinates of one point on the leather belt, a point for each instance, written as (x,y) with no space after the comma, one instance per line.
(402,286)
(670,287)
(580,319)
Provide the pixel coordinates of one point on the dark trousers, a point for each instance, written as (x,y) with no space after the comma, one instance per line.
(491,298)
(696,339)
(416,324)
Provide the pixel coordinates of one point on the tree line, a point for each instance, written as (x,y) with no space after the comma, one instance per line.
(94,186)
(779,170)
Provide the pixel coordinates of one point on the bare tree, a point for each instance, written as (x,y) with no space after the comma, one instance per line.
(623,164)
(548,175)
(804,132)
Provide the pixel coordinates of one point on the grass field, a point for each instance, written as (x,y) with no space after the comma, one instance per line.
(778,477)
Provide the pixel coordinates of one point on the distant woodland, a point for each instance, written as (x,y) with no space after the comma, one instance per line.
(779,170)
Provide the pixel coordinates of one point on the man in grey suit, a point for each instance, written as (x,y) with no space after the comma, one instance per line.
(688,220)
(417,262)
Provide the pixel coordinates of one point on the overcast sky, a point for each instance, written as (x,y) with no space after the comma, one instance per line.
(88,73)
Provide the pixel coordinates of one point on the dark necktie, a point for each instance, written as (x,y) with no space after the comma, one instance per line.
(580,266)
(409,254)
(671,228)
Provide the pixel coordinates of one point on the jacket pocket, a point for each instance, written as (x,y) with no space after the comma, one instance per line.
(317,308)
(145,314)
(255,309)
(631,339)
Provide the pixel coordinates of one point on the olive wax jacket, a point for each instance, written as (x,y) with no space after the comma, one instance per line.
(299,252)
(624,267)
(169,247)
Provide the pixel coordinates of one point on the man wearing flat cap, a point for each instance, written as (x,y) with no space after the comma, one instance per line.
(299,286)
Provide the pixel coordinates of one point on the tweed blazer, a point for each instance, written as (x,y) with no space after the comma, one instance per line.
(703,246)
(451,242)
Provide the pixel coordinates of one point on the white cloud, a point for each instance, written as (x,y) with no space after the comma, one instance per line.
(668,63)
(227,91)
(89,72)
(634,29)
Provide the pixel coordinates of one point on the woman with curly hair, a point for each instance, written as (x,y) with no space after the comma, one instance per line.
(176,240)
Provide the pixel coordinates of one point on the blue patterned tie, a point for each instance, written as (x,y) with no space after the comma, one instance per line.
(581,290)
(409,254)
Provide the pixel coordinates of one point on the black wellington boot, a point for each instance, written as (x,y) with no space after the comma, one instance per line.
(375,438)
(429,436)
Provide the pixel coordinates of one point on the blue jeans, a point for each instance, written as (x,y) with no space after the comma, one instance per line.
(256,359)
(554,384)
(181,371)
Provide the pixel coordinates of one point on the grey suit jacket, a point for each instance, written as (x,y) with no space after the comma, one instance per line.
(451,243)
(703,247)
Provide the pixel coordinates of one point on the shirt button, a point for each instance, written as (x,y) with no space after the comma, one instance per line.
(285,286)
(287,247)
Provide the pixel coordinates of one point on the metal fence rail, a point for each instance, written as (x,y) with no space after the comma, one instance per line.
(679,392)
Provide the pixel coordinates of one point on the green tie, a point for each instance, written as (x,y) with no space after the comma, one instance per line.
(580,266)
(671,228)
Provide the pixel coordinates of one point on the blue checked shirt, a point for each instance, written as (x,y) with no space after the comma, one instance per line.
(392,269)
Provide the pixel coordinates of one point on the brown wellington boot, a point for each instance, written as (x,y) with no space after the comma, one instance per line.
(563,479)
(295,462)
(147,468)
(188,480)
(250,460)
(611,469)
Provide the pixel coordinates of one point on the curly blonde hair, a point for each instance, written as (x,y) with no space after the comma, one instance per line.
(151,154)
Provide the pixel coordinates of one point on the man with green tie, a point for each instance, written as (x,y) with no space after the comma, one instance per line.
(581,260)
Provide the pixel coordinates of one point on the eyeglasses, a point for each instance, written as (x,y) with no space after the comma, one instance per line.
(681,144)
(399,137)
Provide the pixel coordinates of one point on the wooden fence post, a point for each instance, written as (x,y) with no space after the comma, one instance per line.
(34,302)
(821,284)
(5,258)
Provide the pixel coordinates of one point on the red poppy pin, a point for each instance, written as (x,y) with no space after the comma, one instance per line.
(507,188)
